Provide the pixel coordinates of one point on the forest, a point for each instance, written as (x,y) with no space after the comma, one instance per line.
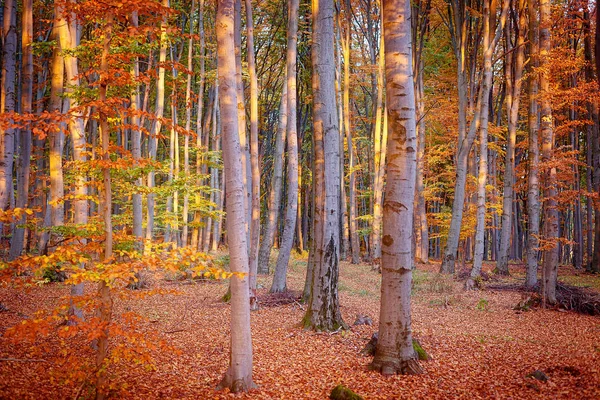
(300,199)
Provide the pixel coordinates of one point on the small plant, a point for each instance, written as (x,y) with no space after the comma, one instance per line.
(482,305)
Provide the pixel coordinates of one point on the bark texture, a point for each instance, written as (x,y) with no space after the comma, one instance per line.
(394,352)
(323,311)
(238,377)
(291,210)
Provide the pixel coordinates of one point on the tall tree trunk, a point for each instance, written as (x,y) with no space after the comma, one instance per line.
(489,12)
(379,147)
(136,146)
(56,138)
(238,377)
(291,213)
(188,123)
(104,310)
(533,191)
(198,197)
(8,100)
(323,311)
(25,139)
(346,44)
(241,109)
(394,353)
(255,203)
(275,194)
(595,267)
(551,217)
(159,112)
(68,38)
(515,56)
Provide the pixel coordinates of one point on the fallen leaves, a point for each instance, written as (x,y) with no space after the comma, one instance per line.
(475,354)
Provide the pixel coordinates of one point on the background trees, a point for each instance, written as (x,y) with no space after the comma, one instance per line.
(319,113)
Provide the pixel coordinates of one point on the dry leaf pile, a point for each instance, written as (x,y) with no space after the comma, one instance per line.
(481,347)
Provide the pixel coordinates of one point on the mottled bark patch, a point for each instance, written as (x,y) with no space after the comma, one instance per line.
(388,240)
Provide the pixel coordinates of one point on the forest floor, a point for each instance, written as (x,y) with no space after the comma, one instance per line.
(481,348)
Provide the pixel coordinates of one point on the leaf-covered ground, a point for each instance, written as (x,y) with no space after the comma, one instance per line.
(481,347)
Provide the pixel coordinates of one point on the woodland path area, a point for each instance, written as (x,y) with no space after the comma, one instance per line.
(480,346)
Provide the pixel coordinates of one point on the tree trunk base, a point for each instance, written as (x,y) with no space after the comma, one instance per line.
(235,386)
(397,367)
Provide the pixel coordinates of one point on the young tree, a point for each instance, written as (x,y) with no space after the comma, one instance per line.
(255,201)
(289,227)
(551,217)
(69,40)
(515,61)
(156,126)
(463,25)
(323,311)
(533,191)
(394,353)
(25,139)
(8,100)
(277,182)
(489,44)
(238,377)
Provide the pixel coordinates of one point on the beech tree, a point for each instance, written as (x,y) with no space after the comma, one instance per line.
(323,311)
(394,353)
(238,377)
(290,221)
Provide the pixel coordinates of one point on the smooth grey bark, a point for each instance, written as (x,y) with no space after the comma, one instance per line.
(291,210)
(238,377)
(156,126)
(394,353)
(533,190)
(255,169)
(8,100)
(352,214)
(551,217)
(136,146)
(268,238)
(515,58)
(25,136)
(323,310)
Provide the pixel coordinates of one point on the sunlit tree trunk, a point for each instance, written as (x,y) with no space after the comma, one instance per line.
(198,198)
(155,131)
(551,217)
(379,147)
(8,100)
(346,45)
(68,38)
(214,172)
(291,213)
(394,353)
(533,191)
(515,57)
(238,377)
(255,201)
(277,182)
(25,139)
(241,109)
(188,123)
(56,138)
(136,145)
(104,310)
(323,311)
(345,242)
